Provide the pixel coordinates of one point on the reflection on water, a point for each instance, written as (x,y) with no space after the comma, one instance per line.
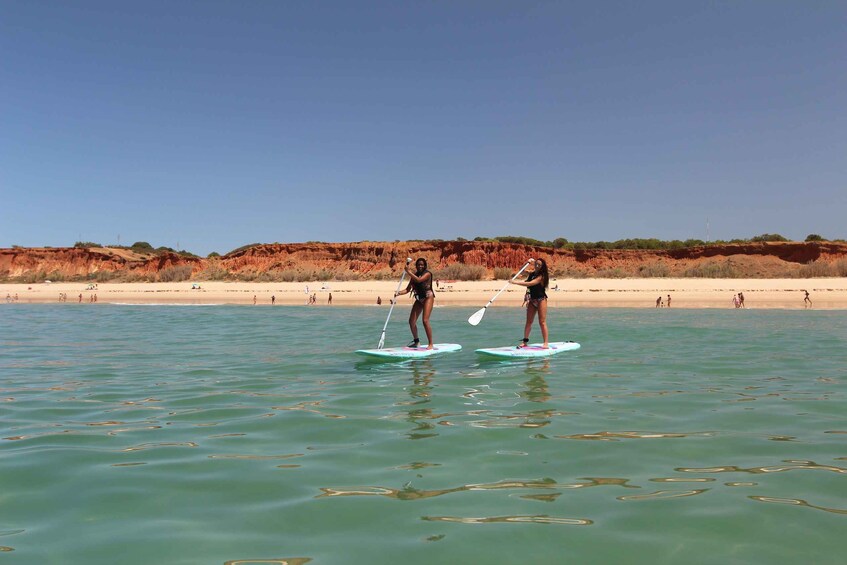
(615,436)
(797,502)
(537,519)
(795,465)
(663,494)
(420,391)
(410,493)
(281,561)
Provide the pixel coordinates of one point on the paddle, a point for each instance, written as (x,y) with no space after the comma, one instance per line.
(476,317)
(393,302)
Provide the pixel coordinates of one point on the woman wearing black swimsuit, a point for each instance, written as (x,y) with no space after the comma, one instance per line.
(536,284)
(421,283)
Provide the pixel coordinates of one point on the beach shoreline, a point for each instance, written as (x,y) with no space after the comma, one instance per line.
(825,293)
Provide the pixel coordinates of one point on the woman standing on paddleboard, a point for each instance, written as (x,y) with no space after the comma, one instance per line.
(536,284)
(421,283)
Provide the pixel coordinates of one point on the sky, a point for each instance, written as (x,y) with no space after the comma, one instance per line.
(209,125)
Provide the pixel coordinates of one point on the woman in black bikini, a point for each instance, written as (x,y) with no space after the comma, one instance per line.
(421,283)
(536,284)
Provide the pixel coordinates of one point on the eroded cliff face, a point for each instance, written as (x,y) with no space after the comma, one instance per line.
(74,262)
(749,260)
(366,257)
(370,259)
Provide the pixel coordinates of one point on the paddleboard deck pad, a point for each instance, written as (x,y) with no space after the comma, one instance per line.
(532,350)
(410,352)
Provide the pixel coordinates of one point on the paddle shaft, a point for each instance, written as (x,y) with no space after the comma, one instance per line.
(393,302)
(508,283)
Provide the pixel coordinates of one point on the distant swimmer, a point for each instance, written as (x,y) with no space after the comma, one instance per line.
(536,284)
(421,283)
(807,302)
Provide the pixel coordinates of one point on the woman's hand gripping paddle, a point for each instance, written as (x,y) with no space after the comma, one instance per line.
(476,317)
(393,302)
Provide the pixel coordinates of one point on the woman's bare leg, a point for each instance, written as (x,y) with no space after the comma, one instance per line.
(542,320)
(427,310)
(530,317)
(413,319)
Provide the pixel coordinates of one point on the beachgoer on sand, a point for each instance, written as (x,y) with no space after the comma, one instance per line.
(659,302)
(735,301)
(669,301)
(741,300)
(536,284)
(807,302)
(420,281)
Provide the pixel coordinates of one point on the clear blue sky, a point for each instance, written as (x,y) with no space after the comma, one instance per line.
(210,125)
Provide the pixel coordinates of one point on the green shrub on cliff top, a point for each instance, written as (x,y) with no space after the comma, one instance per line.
(768,237)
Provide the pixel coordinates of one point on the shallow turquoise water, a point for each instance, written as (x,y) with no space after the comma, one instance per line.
(208,434)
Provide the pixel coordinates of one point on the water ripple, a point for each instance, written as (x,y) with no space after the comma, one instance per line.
(536,519)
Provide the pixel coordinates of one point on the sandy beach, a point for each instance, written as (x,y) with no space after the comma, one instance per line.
(825,293)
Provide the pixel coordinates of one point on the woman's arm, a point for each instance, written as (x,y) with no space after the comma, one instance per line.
(533,282)
(416,279)
(406,291)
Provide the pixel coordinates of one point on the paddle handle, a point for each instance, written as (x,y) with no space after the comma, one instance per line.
(508,283)
(393,302)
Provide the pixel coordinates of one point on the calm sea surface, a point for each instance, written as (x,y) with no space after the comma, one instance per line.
(216,434)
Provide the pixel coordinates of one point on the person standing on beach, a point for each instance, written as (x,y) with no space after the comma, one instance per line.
(735,301)
(421,282)
(536,284)
(807,302)
(329,299)
(254,300)
(378,300)
(669,301)
(659,302)
(273,300)
(741,300)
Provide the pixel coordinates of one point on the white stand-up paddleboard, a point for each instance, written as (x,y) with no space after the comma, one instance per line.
(532,350)
(410,352)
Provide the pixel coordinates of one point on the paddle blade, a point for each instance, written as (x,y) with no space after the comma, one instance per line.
(381,341)
(476,317)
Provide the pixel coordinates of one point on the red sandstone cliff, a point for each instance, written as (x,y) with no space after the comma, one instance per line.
(375,259)
(74,262)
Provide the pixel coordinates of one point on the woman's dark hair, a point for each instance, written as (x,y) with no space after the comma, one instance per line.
(543,271)
(419,260)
